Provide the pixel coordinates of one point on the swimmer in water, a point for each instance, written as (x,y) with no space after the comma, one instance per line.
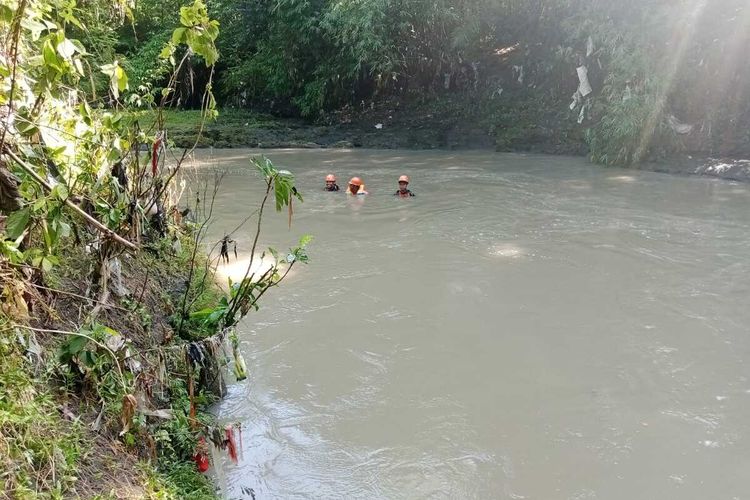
(331,183)
(356,187)
(403,187)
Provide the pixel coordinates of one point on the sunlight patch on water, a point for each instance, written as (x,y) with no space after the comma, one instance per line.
(577,184)
(623,178)
(235,270)
(507,251)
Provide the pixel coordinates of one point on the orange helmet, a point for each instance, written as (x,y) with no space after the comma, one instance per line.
(331,178)
(404,178)
(356,181)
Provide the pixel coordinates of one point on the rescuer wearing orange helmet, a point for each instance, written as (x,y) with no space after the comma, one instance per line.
(403,189)
(356,187)
(331,183)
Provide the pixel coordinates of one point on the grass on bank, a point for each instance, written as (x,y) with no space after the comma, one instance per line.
(59,427)
(233,128)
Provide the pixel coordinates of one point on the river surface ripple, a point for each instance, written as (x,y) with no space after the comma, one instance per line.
(527,327)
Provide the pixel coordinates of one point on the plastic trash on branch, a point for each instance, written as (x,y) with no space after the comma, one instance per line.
(582,113)
(627,93)
(577,99)
(677,126)
(584,87)
(583,90)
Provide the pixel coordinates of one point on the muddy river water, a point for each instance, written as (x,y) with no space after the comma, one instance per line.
(526,327)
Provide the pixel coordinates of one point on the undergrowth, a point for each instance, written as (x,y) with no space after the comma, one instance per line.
(38,450)
(62,396)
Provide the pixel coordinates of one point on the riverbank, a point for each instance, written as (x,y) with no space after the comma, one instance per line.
(109,409)
(451,123)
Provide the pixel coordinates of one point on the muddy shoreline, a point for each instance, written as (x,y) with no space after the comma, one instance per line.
(390,129)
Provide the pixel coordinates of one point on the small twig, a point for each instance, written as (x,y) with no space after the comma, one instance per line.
(245,283)
(62,292)
(143,290)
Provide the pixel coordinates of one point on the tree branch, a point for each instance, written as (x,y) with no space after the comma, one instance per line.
(98,225)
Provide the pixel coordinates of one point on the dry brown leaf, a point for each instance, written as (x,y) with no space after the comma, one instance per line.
(129,404)
(13,303)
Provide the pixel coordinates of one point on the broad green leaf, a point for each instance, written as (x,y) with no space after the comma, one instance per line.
(122,78)
(79,66)
(167,51)
(66,49)
(88,358)
(47,264)
(40,204)
(64,229)
(178,35)
(49,56)
(61,192)
(74,345)
(6,14)
(79,47)
(17,222)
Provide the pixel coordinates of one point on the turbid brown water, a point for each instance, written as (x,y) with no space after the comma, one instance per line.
(526,327)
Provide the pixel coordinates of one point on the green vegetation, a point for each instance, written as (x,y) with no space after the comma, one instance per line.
(103,279)
(111,326)
(232,128)
(666,77)
(38,449)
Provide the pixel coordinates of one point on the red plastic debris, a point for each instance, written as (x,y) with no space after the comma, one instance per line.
(201,457)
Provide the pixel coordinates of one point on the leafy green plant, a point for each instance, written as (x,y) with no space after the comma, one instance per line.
(86,355)
(38,450)
(244,294)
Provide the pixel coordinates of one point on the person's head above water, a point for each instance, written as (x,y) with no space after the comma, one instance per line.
(403,187)
(403,182)
(355,184)
(331,183)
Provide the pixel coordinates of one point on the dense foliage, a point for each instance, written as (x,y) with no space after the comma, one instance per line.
(653,65)
(90,209)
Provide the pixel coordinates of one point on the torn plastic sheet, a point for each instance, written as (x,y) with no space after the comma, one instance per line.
(584,88)
(576,100)
(628,93)
(118,286)
(166,413)
(582,114)
(678,126)
(519,70)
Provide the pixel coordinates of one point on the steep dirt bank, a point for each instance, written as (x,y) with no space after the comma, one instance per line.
(95,398)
